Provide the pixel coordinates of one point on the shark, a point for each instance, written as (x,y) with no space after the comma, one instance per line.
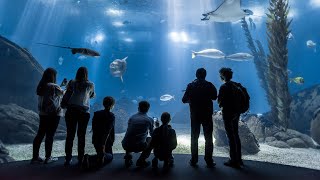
(228,11)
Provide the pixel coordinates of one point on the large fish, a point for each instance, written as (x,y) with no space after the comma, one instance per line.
(118,67)
(166,97)
(83,51)
(297,80)
(240,57)
(210,53)
(312,44)
(228,11)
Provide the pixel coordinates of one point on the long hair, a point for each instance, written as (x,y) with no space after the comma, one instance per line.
(82,74)
(49,76)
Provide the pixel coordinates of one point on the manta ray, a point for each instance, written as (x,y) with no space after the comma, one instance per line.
(228,11)
(83,51)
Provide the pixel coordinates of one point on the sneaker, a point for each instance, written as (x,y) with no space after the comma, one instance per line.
(50,160)
(155,163)
(67,162)
(37,160)
(211,164)
(232,164)
(193,163)
(85,164)
(142,163)
(128,162)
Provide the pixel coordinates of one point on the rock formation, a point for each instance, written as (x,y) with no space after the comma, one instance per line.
(268,132)
(315,127)
(4,154)
(304,105)
(19,125)
(249,144)
(20,74)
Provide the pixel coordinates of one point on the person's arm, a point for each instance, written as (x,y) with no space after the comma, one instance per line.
(174,139)
(151,126)
(221,96)
(94,126)
(213,92)
(186,96)
(92,93)
(58,90)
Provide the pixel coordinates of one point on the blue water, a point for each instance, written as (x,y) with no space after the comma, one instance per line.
(157,64)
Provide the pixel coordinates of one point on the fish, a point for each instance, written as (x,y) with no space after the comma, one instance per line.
(290,36)
(83,51)
(312,44)
(60,60)
(118,67)
(134,101)
(228,11)
(166,97)
(126,22)
(210,53)
(239,57)
(140,98)
(297,80)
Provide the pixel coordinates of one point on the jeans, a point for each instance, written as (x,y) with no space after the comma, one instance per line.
(231,124)
(73,118)
(47,127)
(145,152)
(207,125)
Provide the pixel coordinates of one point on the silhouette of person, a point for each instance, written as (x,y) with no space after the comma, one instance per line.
(164,141)
(78,113)
(103,132)
(50,95)
(136,138)
(200,94)
(230,117)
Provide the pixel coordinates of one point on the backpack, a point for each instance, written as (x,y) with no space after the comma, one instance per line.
(242,98)
(50,101)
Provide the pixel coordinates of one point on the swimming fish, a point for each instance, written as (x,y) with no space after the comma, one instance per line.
(210,53)
(60,60)
(118,67)
(240,57)
(312,44)
(228,11)
(297,80)
(166,97)
(290,36)
(83,51)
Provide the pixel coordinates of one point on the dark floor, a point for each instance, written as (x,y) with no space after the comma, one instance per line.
(181,171)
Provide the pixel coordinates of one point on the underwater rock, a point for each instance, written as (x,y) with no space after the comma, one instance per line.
(279,144)
(303,106)
(182,116)
(264,129)
(282,136)
(19,125)
(249,144)
(270,139)
(20,74)
(4,154)
(296,143)
(315,126)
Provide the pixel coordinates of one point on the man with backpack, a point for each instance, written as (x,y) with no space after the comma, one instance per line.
(233,100)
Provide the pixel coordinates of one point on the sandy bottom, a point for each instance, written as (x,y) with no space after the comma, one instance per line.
(308,158)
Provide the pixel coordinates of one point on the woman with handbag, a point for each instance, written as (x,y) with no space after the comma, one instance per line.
(78,95)
(50,95)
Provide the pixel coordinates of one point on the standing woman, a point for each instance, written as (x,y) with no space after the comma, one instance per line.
(78,113)
(50,95)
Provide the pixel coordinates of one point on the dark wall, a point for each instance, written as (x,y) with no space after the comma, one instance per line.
(19,75)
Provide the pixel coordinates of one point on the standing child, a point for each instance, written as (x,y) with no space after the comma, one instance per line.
(103,132)
(164,141)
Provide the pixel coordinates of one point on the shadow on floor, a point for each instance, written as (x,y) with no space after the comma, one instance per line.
(181,171)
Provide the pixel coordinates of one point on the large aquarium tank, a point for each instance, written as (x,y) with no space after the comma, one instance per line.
(150,50)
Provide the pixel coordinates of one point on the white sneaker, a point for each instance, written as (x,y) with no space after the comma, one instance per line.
(50,160)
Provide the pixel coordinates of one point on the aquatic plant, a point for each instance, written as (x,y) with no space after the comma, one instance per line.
(258,53)
(277,76)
